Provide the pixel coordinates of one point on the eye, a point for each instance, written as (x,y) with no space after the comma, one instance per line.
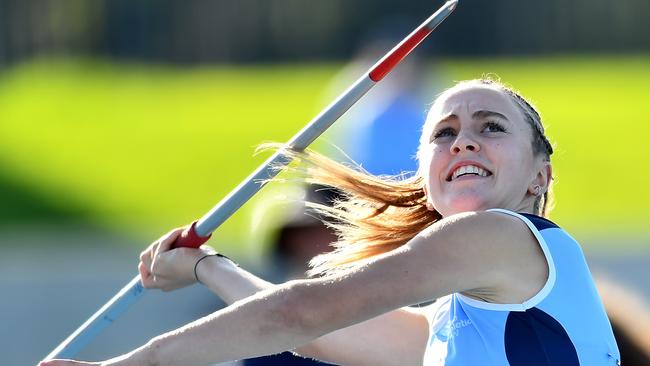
(445,132)
(492,126)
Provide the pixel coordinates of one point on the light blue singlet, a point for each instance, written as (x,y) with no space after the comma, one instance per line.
(564,324)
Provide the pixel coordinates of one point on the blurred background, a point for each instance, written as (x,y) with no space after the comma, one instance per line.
(120,120)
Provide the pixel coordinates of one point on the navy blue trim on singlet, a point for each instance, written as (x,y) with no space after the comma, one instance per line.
(534,338)
(539,222)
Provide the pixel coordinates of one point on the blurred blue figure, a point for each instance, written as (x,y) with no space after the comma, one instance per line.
(381,132)
(387,144)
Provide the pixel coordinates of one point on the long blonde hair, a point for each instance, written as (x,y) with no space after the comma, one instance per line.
(380,213)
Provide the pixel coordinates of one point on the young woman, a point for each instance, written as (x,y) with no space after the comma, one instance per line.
(512,287)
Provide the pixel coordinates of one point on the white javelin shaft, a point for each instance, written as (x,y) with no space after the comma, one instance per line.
(128,295)
(253,183)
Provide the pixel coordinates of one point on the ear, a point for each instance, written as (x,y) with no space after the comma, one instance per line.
(542,180)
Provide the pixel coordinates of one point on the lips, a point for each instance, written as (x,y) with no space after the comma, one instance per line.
(464,168)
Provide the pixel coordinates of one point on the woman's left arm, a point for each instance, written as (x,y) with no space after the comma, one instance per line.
(464,252)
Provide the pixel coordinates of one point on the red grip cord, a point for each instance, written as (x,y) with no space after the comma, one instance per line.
(189,238)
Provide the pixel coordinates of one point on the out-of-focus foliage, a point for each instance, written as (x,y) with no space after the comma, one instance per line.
(198,31)
(144,148)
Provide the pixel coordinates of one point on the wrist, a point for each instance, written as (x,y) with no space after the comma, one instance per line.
(209,265)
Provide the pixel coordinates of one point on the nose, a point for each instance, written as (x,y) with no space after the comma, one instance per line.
(464,143)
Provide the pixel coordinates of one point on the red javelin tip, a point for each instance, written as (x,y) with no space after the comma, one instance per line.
(398,54)
(385,65)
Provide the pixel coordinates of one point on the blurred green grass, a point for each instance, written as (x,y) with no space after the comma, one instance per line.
(142,148)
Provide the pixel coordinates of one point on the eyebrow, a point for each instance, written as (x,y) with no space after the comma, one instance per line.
(486,114)
(476,115)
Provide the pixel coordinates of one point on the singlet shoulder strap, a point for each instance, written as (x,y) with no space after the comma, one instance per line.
(535,228)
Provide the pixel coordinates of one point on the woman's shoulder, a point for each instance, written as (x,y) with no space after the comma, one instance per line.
(486,237)
(500,247)
(491,224)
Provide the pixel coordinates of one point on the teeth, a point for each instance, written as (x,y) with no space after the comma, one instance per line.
(469,169)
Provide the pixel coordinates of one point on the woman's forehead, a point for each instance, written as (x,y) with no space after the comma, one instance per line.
(469,99)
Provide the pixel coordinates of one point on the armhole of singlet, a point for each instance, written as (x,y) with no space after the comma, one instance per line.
(431,311)
(541,294)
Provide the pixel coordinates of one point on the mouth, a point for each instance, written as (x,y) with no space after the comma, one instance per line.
(467,170)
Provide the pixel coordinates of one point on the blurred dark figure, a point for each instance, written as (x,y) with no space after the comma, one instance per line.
(629,315)
(298,240)
(304,235)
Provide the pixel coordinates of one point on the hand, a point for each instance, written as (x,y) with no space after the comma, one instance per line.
(167,269)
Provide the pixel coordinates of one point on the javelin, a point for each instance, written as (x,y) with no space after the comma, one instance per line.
(199,232)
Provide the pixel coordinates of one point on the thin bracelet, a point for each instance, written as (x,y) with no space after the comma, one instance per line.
(196,265)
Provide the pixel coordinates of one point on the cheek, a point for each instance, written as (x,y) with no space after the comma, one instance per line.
(436,161)
(514,162)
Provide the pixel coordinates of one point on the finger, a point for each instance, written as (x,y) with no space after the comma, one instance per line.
(148,254)
(146,262)
(164,243)
(144,253)
(164,264)
(144,267)
(147,251)
(145,276)
(153,250)
(167,241)
(154,267)
(146,257)
(163,249)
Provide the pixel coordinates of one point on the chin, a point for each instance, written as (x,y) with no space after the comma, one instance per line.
(466,204)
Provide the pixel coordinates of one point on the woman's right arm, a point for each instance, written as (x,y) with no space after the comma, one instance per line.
(395,338)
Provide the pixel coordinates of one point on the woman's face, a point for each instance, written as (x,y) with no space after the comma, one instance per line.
(476,153)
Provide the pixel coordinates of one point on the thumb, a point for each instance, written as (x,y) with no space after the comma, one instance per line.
(169,239)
